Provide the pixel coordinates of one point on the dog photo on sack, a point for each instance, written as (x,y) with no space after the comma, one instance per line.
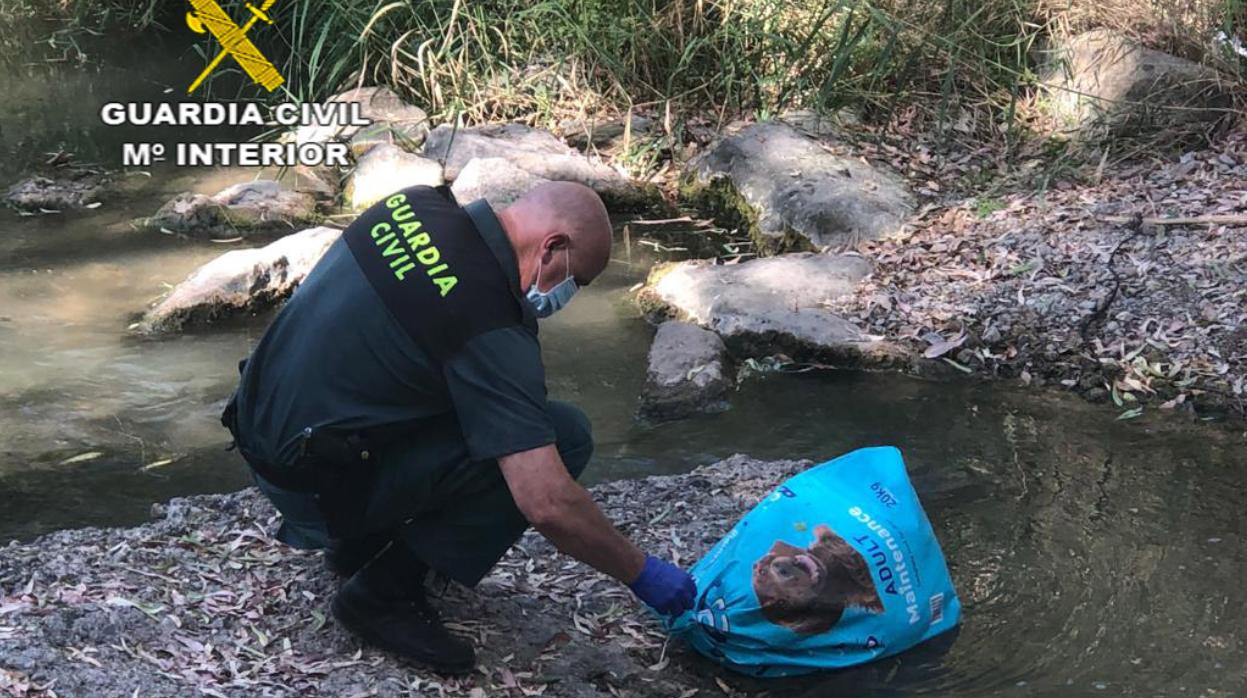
(836,567)
(808,589)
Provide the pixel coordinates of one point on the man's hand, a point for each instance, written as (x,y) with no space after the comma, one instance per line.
(665,587)
(565,514)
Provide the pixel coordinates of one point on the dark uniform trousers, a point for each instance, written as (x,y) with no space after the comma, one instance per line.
(455,515)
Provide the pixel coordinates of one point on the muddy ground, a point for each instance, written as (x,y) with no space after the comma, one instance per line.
(202,601)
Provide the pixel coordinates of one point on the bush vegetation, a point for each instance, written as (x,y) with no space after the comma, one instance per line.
(962,61)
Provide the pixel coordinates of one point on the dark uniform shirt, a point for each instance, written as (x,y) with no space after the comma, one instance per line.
(337,357)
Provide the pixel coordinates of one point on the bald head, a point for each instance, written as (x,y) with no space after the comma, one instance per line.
(558,228)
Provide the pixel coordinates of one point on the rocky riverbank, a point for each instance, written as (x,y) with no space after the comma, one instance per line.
(1129,289)
(1123,281)
(203,600)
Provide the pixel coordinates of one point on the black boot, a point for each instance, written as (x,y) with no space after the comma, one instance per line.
(346,556)
(385,605)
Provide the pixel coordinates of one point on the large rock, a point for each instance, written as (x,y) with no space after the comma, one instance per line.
(522,145)
(498,181)
(771,305)
(382,107)
(791,193)
(688,373)
(321,182)
(384,170)
(540,154)
(1103,83)
(76,189)
(259,208)
(240,281)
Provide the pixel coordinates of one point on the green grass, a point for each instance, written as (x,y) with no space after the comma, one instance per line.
(986,206)
(509,58)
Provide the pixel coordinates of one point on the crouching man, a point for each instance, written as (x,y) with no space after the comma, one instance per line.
(395,411)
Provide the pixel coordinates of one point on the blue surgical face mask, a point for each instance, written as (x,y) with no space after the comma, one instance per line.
(547,303)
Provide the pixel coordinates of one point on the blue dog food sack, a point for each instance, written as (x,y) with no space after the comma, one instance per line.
(838,566)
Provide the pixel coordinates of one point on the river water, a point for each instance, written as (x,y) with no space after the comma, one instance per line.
(1094,557)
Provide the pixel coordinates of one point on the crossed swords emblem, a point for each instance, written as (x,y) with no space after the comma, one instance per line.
(209,17)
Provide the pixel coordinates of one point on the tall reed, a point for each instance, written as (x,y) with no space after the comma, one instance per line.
(967,63)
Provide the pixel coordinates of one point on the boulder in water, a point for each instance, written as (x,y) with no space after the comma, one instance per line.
(250,209)
(792,193)
(239,282)
(688,373)
(384,170)
(75,189)
(321,182)
(540,154)
(498,181)
(771,305)
(522,145)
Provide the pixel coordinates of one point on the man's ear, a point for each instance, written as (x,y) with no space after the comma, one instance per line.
(554,243)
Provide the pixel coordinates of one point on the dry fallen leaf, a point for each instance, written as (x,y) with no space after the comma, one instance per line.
(81,458)
(942,347)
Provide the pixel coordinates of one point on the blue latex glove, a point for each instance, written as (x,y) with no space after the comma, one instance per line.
(664,587)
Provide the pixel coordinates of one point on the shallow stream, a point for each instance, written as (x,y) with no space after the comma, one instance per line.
(1094,557)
